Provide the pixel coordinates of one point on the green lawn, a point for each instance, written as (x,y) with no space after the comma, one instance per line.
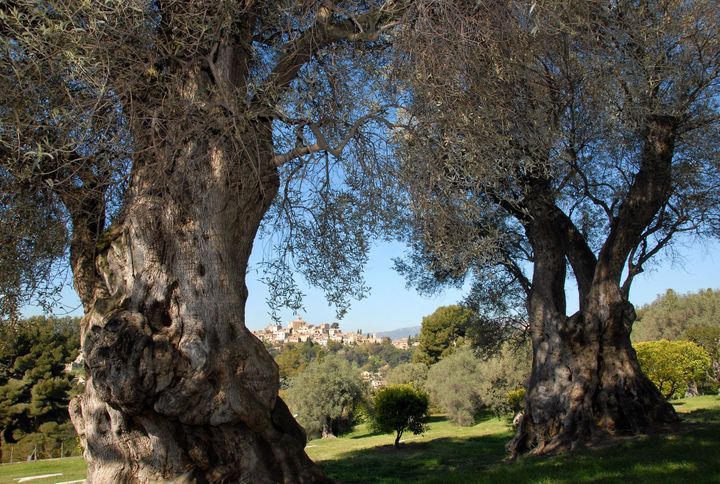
(71,468)
(448,453)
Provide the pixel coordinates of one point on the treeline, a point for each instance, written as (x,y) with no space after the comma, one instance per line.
(677,339)
(36,383)
(672,315)
(462,378)
(467,367)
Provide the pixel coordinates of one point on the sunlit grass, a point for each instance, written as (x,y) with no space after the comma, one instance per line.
(447,453)
(70,468)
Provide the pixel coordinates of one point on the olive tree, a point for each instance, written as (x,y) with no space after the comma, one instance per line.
(552,139)
(325,397)
(455,385)
(147,140)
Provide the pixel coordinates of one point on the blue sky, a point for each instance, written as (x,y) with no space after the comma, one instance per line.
(695,265)
(390,305)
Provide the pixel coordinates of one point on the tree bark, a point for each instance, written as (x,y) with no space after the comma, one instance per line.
(397,438)
(586,382)
(178,388)
(327,431)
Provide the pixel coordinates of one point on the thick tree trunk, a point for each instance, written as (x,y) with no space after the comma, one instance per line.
(178,389)
(327,431)
(586,383)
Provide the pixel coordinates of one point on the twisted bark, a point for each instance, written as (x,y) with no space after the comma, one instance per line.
(178,388)
(586,382)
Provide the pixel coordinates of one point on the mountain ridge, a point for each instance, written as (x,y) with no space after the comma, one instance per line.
(399,333)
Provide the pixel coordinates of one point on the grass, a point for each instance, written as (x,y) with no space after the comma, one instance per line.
(447,453)
(71,468)
(690,452)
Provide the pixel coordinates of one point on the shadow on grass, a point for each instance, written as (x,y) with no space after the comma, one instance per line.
(701,415)
(369,433)
(432,419)
(418,461)
(689,453)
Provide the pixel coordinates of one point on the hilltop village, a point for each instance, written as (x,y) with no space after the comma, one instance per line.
(299,331)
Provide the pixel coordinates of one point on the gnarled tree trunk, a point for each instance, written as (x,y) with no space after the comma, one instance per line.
(178,389)
(586,382)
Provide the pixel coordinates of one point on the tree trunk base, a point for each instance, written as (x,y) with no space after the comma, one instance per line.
(149,447)
(587,386)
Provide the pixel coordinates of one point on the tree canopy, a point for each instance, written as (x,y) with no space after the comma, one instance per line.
(398,408)
(553,136)
(441,332)
(87,88)
(671,314)
(536,106)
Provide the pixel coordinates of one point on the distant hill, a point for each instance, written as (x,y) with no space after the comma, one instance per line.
(400,332)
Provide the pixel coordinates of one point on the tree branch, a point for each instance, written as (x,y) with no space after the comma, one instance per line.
(646,196)
(321,143)
(366,27)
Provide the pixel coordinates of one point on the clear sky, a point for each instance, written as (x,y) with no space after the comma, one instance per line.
(695,266)
(390,305)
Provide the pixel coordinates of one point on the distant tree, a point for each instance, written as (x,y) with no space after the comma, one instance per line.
(455,385)
(398,408)
(462,384)
(372,357)
(389,354)
(706,336)
(290,362)
(292,358)
(440,332)
(709,338)
(414,374)
(34,387)
(334,346)
(670,315)
(48,441)
(673,365)
(326,395)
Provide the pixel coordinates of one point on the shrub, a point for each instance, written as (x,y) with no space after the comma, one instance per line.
(515,399)
(462,384)
(672,365)
(398,408)
(48,442)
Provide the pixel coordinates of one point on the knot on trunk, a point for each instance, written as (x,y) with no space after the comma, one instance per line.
(576,330)
(129,365)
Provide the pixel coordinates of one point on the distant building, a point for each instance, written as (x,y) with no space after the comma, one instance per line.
(300,331)
(401,344)
(375,379)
